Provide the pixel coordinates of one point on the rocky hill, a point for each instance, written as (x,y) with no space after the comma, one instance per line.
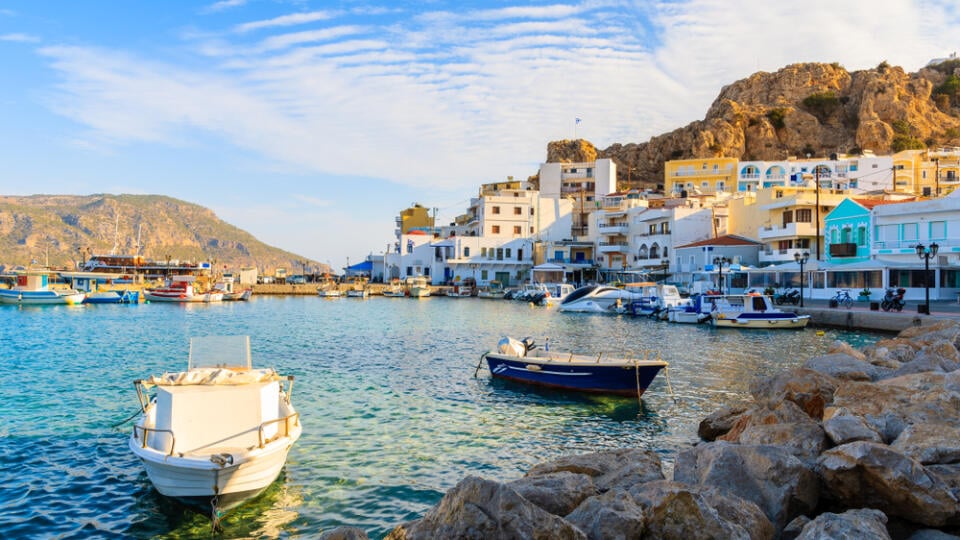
(812,108)
(61,229)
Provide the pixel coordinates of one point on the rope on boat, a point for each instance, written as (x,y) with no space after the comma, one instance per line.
(636,369)
(124,421)
(480,363)
(215,515)
(666,373)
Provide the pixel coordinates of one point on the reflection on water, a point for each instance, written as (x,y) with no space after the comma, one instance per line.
(393,415)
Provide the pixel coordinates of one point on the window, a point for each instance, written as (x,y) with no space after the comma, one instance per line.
(483,252)
(517,211)
(787,217)
(938,230)
(466,251)
(495,229)
(804,215)
(652,229)
(507,253)
(862,235)
(517,230)
(531,229)
(531,211)
(495,210)
(909,231)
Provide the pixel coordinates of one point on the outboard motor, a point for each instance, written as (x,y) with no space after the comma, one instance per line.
(528,344)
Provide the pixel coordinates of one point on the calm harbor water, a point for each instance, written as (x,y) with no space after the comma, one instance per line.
(393,415)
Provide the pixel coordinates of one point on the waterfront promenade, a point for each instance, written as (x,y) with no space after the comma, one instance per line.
(860,316)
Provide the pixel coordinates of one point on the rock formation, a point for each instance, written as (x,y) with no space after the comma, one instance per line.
(813,108)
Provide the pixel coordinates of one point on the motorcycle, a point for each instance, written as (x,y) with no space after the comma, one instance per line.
(790,296)
(893,299)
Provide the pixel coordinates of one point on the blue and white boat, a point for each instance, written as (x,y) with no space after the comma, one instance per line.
(523,362)
(33,288)
(119,296)
(751,311)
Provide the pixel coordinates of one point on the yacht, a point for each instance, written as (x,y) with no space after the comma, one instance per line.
(598,299)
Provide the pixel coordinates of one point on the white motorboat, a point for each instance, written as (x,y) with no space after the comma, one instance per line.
(598,299)
(418,287)
(218,433)
(751,311)
(653,299)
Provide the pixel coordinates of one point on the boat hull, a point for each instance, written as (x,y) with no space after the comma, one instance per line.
(618,378)
(39,298)
(196,480)
(762,321)
(158,296)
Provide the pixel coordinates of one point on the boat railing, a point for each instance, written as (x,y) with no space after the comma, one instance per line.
(286,426)
(146,430)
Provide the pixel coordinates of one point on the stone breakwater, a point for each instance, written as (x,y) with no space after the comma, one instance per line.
(854,444)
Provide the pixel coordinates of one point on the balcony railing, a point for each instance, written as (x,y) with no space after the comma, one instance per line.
(847,249)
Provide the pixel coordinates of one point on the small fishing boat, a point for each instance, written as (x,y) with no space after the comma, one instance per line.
(226,285)
(689,311)
(329,289)
(522,361)
(117,296)
(358,292)
(395,289)
(751,311)
(217,434)
(181,289)
(418,287)
(494,290)
(33,288)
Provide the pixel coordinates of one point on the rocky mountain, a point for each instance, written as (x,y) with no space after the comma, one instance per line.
(60,230)
(812,108)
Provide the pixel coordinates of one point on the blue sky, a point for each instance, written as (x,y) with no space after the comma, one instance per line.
(312,124)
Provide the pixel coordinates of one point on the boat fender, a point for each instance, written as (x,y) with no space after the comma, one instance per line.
(222,459)
(721,316)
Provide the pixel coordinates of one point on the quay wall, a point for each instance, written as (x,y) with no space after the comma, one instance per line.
(879,321)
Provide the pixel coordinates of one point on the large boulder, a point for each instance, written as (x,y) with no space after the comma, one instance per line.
(810,390)
(884,408)
(614,514)
(804,440)
(936,356)
(858,523)
(843,427)
(345,533)
(677,511)
(948,330)
(719,422)
(480,509)
(866,474)
(558,492)
(769,476)
(609,469)
(845,367)
(930,443)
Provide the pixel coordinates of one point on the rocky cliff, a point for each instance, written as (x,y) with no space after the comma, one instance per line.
(812,108)
(61,229)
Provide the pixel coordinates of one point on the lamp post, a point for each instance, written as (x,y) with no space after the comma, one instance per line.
(720,261)
(926,253)
(801,259)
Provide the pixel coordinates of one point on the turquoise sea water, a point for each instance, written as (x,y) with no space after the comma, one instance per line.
(392,413)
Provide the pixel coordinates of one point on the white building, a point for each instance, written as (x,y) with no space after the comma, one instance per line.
(855,173)
(581,183)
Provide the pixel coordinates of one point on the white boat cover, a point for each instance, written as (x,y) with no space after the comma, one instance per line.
(512,347)
(213,376)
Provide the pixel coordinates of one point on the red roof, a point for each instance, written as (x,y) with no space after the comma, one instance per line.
(726,240)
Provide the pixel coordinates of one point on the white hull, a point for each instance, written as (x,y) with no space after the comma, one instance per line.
(39,298)
(417,292)
(159,296)
(799,321)
(686,317)
(197,477)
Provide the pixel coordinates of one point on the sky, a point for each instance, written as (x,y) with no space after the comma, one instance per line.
(312,124)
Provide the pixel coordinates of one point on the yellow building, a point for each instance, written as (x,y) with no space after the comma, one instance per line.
(415,218)
(701,176)
(785,219)
(927,173)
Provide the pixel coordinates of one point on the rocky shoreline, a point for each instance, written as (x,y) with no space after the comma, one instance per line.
(854,444)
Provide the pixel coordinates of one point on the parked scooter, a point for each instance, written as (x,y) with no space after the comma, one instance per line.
(789,296)
(893,299)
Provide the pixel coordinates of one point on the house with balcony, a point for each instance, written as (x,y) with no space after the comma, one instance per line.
(583,184)
(694,262)
(858,173)
(786,220)
(928,172)
(847,231)
(698,176)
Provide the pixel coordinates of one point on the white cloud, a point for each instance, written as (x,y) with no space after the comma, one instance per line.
(19,38)
(447,100)
(224,5)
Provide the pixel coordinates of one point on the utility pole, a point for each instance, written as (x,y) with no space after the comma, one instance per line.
(816,170)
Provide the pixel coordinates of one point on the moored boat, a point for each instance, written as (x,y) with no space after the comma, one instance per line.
(226,285)
(418,287)
(522,361)
(181,289)
(751,311)
(116,296)
(597,299)
(33,288)
(394,289)
(217,434)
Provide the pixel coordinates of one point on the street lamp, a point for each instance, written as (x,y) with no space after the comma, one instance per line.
(720,261)
(801,259)
(926,253)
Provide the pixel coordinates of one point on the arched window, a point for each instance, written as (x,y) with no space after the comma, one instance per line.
(654,251)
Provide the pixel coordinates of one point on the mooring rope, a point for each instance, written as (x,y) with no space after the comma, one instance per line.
(124,421)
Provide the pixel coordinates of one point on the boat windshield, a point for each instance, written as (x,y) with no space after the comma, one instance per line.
(220,352)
